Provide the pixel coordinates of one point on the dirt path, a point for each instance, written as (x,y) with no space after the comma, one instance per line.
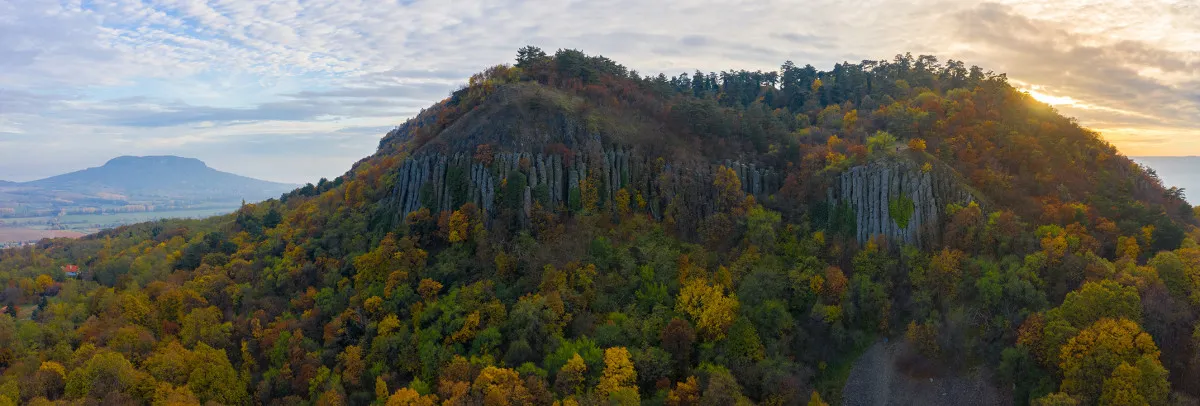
(876,379)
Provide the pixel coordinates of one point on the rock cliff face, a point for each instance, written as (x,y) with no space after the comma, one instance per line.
(555,148)
(892,197)
(444,182)
(895,198)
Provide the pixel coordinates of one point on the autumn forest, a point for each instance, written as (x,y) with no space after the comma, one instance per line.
(565,231)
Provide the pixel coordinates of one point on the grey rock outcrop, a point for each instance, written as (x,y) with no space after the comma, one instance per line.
(874,190)
(439,182)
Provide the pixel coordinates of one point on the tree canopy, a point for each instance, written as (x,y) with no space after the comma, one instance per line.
(1076,276)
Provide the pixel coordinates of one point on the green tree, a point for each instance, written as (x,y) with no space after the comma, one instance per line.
(880,143)
(1173,272)
(1056,399)
(214,379)
(203,325)
(1096,300)
(760,228)
(1092,302)
(722,388)
(171,363)
(104,373)
(528,55)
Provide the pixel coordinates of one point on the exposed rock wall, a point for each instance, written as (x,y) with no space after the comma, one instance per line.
(683,193)
(872,191)
(440,182)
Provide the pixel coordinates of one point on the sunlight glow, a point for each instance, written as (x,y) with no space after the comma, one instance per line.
(1051,99)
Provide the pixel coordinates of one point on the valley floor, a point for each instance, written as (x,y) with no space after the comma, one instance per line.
(13,235)
(27,229)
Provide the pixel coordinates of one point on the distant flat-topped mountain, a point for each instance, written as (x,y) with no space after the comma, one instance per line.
(130,183)
(161,177)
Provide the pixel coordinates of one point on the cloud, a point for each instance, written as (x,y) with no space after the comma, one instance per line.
(806,40)
(250,83)
(417,91)
(1117,83)
(21,102)
(180,114)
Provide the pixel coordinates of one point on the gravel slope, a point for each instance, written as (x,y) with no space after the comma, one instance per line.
(876,379)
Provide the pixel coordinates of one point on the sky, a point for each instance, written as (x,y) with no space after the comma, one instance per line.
(296,90)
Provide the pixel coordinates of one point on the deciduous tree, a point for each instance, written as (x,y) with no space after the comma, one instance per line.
(709,306)
(1102,357)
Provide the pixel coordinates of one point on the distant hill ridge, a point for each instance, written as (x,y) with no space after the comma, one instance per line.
(1178,171)
(161,176)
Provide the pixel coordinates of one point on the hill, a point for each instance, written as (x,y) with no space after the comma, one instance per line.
(127,183)
(567,230)
(1176,171)
(124,190)
(165,177)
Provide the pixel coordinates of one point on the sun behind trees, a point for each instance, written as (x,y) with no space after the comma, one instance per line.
(693,255)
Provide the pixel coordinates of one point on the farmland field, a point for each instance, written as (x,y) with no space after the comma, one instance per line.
(27,234)
(75,225)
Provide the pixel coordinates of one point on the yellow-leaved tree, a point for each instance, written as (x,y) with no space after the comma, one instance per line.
(1113,360)
(685,393)
(352,365)
(917,144)
(622,200)
(850,121)
(729,188)
(572,376)
(712,310)
(589,189)
(619,382)
(410,397)
(815,400)
(458,226)
(500,386)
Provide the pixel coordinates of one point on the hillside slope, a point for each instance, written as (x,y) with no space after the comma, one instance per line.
(566,230)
